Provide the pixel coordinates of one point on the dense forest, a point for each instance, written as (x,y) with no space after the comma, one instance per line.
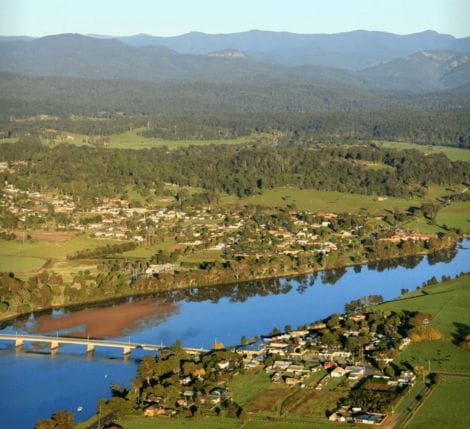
(24,96)
(87,173)
(423,127)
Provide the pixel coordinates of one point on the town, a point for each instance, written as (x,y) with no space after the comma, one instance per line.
(348,358)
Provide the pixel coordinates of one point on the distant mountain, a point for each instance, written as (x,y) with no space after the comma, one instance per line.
(424,71)
(81,56)
(353,50)
(75,55)
(14,38)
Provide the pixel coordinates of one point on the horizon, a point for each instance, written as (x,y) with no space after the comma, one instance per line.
(121,18)
(110,36)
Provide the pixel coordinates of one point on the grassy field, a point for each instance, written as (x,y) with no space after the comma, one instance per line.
(447,407)
(453,153)
(224,423)
(25,257)
(457,215)
(246,386)
(308,199)
(449,303)
(19,265)
(132,140)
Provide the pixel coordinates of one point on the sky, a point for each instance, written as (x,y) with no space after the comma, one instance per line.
(173,17)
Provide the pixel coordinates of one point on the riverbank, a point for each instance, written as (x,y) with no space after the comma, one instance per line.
(225,278)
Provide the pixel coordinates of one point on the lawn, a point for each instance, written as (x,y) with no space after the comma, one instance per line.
(309,199)
(447,407)
(449,303)
(245,387)
(453,153)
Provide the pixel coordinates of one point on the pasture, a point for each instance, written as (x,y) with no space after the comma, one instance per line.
(25,257)
(133,140)
(449,303)
(456,215)
(447,407)
(453,153)
(313,200)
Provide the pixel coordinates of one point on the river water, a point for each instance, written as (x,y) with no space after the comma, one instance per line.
(34,384)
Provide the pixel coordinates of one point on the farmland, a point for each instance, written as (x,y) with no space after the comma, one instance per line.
(134,140)
(446,407)
(309,199)
(453,153)
(449,303)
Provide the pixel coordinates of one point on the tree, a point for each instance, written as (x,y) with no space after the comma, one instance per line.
(420,371)
(63,419)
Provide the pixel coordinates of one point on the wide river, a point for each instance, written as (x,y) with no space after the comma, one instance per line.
(34,384)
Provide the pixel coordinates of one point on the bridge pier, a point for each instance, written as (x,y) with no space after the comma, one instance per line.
(54,347)
(19,343)
(126,352)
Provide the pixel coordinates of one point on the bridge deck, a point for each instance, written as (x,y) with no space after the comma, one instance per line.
(91,342)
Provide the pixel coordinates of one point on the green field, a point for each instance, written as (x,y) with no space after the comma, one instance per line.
(20,265)
(447,407)
(26,257)
(308,199)
(453,153)
(246,386)
(449,303)
(224,423)
(132,140)
(457,215)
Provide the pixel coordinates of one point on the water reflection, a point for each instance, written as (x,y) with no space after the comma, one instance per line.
(103,322)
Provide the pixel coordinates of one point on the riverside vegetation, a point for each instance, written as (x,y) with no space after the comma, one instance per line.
(140,221)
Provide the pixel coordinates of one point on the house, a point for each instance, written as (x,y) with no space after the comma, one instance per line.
(357,317)
(355,372)
(290,381)
(223,364)
(337,418)
(154,410)
(281,364)
(210,399)
(406,377)
(338,372)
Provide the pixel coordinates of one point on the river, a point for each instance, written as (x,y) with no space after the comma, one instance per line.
(34,383)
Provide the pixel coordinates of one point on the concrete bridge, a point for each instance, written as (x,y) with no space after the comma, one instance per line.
(89,343)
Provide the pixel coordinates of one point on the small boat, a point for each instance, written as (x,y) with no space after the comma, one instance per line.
(80,408)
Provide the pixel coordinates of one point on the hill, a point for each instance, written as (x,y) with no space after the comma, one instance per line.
(75,55)
(425,71)
(353,50)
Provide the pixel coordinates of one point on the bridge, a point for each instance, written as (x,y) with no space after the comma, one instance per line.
(89,343)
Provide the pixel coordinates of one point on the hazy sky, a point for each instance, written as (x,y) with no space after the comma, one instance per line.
(173,17)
